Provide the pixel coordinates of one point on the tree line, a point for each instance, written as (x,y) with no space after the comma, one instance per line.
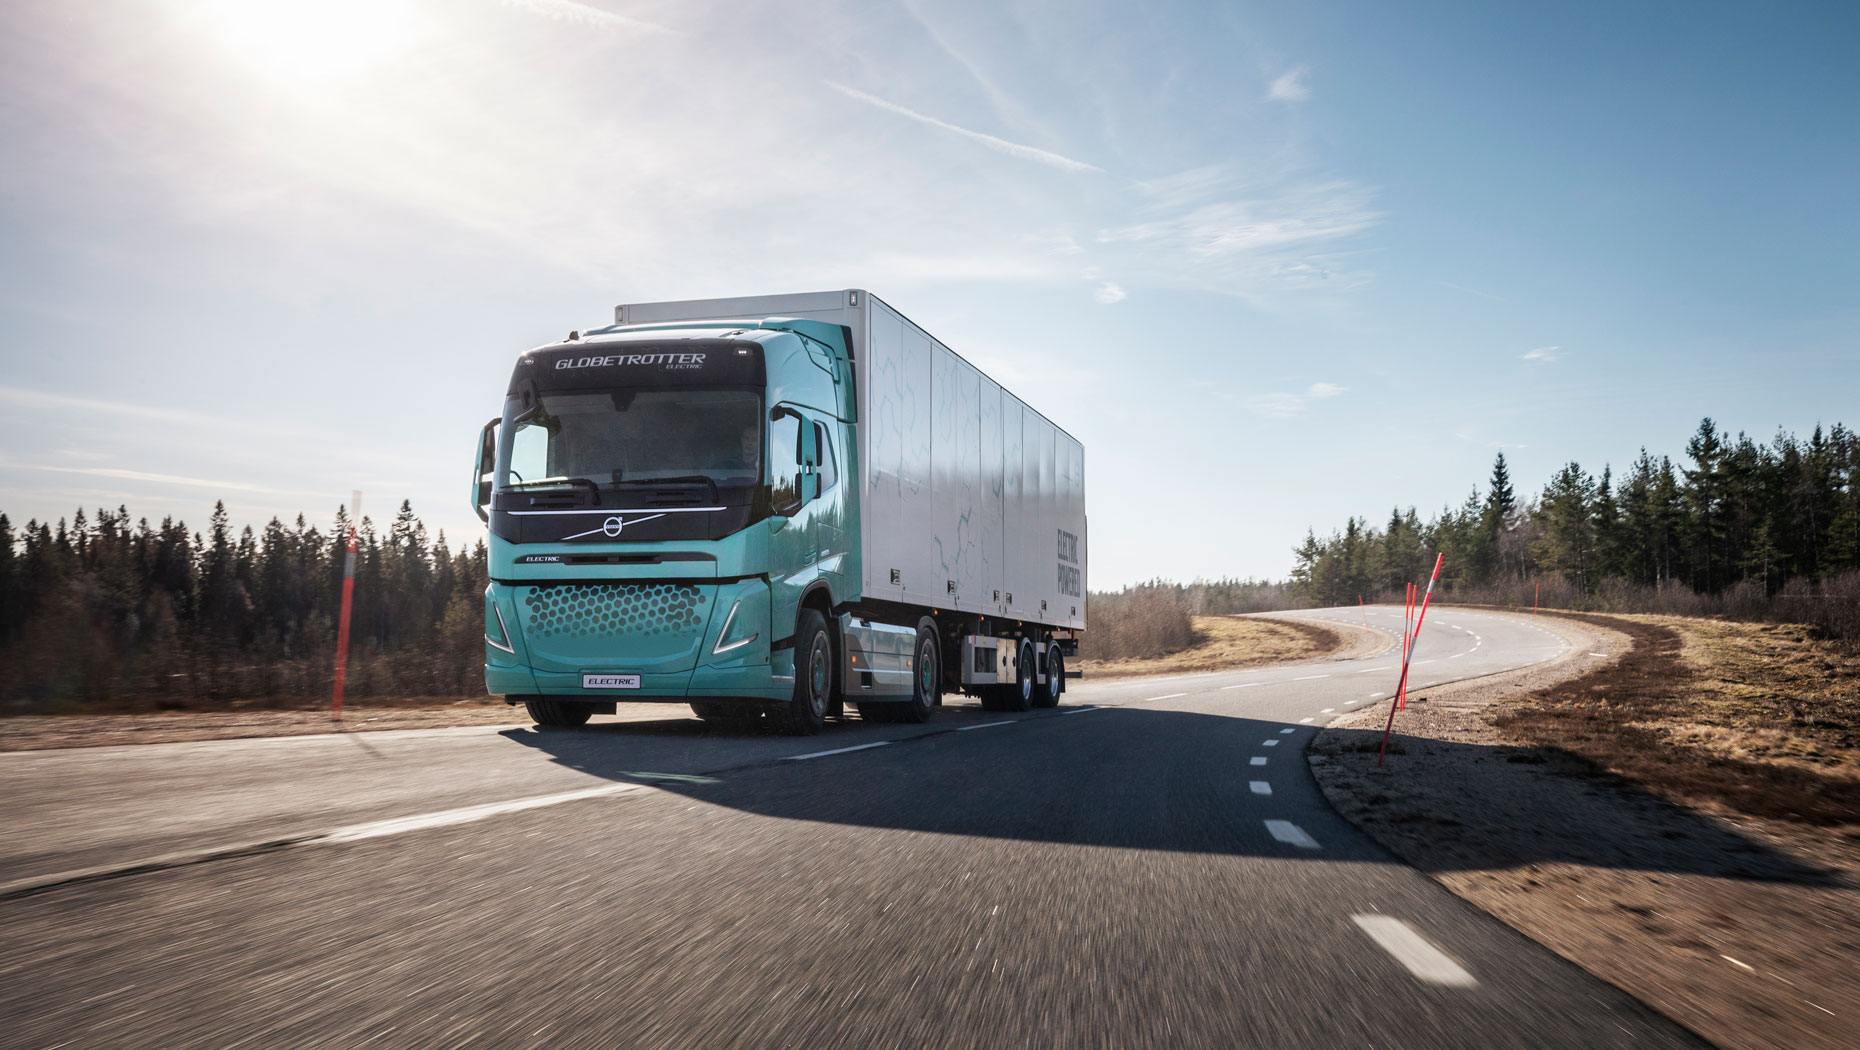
(99,611)
(1755,530)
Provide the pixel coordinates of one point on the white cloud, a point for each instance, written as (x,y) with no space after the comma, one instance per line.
(1108,293)
(1012,149)
(1284,406)
(1289,86)
(1542,355)
(170,479)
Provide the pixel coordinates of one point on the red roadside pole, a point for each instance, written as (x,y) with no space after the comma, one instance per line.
(1401,690)
(1536,590)
(348,595)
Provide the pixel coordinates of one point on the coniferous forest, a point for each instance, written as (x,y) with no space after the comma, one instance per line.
(103,612)
(1761,531)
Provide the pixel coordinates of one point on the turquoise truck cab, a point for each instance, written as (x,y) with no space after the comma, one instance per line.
(662,501)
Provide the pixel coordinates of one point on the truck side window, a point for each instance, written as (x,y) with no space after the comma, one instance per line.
(784,463)
(828,473)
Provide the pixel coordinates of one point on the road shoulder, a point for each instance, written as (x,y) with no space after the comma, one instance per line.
(1741,929)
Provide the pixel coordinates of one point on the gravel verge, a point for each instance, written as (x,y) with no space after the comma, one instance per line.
(1745,930)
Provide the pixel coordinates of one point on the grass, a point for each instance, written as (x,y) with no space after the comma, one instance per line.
(1762,719)
(1221,642)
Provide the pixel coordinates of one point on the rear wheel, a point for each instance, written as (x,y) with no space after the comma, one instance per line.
(558,713)
(1019,696)
(806,712)
(1048,694)
(926,679)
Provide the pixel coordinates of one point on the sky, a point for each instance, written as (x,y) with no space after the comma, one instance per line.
(1274,265)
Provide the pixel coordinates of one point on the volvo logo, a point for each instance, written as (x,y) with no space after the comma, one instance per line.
(613,525)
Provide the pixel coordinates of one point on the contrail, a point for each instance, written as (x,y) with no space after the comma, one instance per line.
(1012,149)
(583,14)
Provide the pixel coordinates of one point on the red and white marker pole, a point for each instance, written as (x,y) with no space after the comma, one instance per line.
(1401,691)
(348,595)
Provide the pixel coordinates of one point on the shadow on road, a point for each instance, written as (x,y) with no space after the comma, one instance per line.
(1133,778)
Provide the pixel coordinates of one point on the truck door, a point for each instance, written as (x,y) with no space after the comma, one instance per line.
(830,510)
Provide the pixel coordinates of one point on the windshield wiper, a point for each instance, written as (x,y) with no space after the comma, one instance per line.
(573,484)
(682,479)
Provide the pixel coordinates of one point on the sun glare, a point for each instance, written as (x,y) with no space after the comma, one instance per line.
(310,42)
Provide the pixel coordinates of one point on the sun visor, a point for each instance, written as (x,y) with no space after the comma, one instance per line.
(683,362)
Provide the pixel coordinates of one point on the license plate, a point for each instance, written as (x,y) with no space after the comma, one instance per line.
(610,681)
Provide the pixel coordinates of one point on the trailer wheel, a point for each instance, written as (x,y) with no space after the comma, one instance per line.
(1048,694)
(806,712)
(926,679)
(558,713)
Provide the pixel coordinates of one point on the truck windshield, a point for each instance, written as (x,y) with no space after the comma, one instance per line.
(605,438)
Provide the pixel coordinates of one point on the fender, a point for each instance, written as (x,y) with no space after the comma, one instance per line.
(812,589)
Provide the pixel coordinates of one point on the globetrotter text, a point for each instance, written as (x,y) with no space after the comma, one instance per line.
(687,360)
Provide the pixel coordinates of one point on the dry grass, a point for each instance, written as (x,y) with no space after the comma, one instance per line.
(1760,719)
(1223,642)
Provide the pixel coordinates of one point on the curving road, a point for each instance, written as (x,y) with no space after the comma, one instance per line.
(1148,865)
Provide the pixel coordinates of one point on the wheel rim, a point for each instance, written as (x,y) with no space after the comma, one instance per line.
(1055,669)
(926,674)
(817,677)
(1026,675)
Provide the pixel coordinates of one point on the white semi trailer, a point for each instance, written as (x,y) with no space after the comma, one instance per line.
(803,500)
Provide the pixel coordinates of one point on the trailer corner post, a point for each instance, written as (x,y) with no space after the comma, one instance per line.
(348,595)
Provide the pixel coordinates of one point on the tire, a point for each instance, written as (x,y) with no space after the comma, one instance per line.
(722,712)
(1048,695)
(559,714)
(1020,696)
(806,712)
(926,679)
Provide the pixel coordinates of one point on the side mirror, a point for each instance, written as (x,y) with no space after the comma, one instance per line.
(810,487)
(487,465)
(810,445)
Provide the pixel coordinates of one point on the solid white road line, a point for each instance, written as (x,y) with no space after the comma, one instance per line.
(465,815)
(1260,787)
(986,725)
(1310,677)
(1288,832)
(1167,696)
(837,751)
(1245,685)
(1410,949)
(1257,760)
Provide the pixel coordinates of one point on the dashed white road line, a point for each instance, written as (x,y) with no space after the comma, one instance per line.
(1413,951)
(1310,677)
(1079,710)
(1274,742)
(1366,670)
(1259,787)
(1287,731)
(1306,721)
(1243,685)
(1288,832)
(1372,696)
(1256,760)
(837,751)
(1165,696)
(1327,711)
(986,725)
(467,814)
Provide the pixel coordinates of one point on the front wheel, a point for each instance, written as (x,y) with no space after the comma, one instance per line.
(557,713)
(806,712)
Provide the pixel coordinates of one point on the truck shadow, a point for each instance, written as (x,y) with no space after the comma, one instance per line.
(1145,779)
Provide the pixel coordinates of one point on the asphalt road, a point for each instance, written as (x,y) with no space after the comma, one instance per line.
(1148,865)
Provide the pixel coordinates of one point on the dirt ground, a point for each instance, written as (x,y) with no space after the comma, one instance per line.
(1228,642)
(1617,851)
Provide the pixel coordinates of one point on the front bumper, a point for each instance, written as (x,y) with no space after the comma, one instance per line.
(733,659)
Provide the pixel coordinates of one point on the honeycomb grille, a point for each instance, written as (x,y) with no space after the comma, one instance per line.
(594,610)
